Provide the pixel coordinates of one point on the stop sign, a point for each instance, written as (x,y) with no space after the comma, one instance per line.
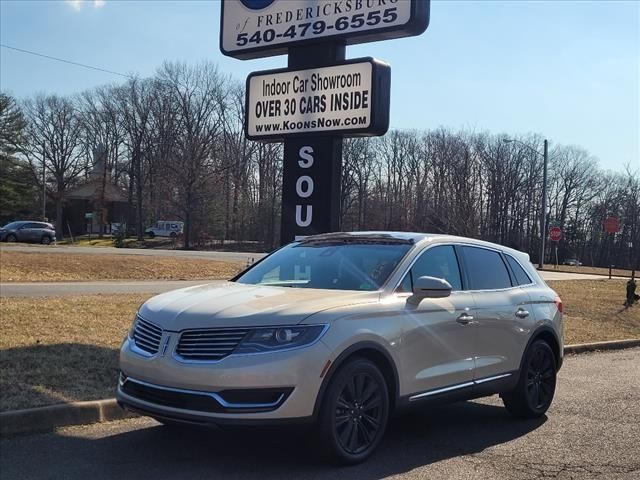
(611,225)
(555,234)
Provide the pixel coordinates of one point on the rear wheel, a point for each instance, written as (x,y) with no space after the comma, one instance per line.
(46,240)
(354,412)
(533,395)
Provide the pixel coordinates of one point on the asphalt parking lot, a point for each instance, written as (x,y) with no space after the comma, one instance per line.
(590,432)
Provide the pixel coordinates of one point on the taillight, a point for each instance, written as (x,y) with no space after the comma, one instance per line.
(558,302)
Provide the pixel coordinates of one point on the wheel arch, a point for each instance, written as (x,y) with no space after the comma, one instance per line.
(549,335)
(374,352)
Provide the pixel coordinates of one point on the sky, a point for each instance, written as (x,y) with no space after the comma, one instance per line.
(567,70)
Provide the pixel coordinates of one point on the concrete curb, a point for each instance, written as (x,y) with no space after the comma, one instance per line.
(592,347)
(42,419)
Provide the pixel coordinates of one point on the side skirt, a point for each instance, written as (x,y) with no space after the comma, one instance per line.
(481,387)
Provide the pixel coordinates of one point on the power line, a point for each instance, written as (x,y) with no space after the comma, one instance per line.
(64,61)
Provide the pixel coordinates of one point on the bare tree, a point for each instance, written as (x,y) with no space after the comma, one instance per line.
(198,93)
(54,138)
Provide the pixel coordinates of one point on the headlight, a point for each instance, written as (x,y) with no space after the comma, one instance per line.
(280,338)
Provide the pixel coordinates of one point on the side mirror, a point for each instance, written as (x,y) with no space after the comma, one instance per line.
(429,287)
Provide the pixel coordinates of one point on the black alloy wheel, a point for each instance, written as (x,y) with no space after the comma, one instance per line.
(46,240)
(11,238)
(533,395)
(355,411)
(541,379)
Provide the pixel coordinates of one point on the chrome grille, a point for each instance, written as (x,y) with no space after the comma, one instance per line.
(147,336)
(209,344)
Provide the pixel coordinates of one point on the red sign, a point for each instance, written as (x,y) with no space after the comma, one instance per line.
(555,234)
(611,225)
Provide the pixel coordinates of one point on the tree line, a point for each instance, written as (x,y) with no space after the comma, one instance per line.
(175,144)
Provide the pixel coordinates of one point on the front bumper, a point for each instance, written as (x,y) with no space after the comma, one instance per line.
(278,386)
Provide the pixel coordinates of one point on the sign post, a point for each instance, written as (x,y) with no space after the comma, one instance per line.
(611,226)
(319,98)
(555,235)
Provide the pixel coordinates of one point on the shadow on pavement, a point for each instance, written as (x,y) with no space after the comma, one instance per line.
(418,439)
(39,375)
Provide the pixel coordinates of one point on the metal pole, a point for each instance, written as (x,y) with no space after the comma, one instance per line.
(44,192)
(543,216)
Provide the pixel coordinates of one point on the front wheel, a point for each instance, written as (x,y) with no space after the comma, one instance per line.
(11,238)
(354,412)
(533,395)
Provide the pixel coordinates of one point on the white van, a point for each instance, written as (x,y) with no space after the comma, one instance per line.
(165,228)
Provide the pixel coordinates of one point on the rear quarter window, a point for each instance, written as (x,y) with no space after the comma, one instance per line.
(521,277)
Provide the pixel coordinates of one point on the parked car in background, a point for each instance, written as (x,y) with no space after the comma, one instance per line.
(340,330)
(165,228)
(574,262)
(28,231)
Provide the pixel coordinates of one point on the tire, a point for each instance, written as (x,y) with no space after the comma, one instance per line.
(11,238)
(354,412)
(173,234)
(45,240)
(151,234)
(533,395)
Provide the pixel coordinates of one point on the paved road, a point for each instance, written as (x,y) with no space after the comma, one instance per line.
(150,252)
(51,289)
(591,432)
(549,275)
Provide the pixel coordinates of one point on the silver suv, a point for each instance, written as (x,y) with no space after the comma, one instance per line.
(343,329)
(28,231)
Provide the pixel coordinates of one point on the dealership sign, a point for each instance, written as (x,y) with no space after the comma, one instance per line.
(261,28)
(350,99)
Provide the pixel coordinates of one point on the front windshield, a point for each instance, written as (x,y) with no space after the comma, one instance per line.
(11,225)
(329,265)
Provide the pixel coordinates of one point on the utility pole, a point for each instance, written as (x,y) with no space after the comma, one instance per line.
(543,216)
(44,190)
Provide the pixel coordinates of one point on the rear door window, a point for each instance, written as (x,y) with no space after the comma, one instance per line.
(486,269)
(521,276)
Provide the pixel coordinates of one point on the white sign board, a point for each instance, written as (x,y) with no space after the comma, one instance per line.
(351,99)
(258,28)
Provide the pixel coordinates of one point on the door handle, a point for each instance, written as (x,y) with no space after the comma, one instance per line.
(464,319)
(521,313)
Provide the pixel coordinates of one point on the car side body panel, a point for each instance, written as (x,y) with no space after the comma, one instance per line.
(500,335)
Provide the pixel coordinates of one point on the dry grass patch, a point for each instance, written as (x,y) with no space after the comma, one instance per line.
(62,349)
(56,267)
(593,310)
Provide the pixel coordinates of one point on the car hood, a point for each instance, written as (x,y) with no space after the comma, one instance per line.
(239,305)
